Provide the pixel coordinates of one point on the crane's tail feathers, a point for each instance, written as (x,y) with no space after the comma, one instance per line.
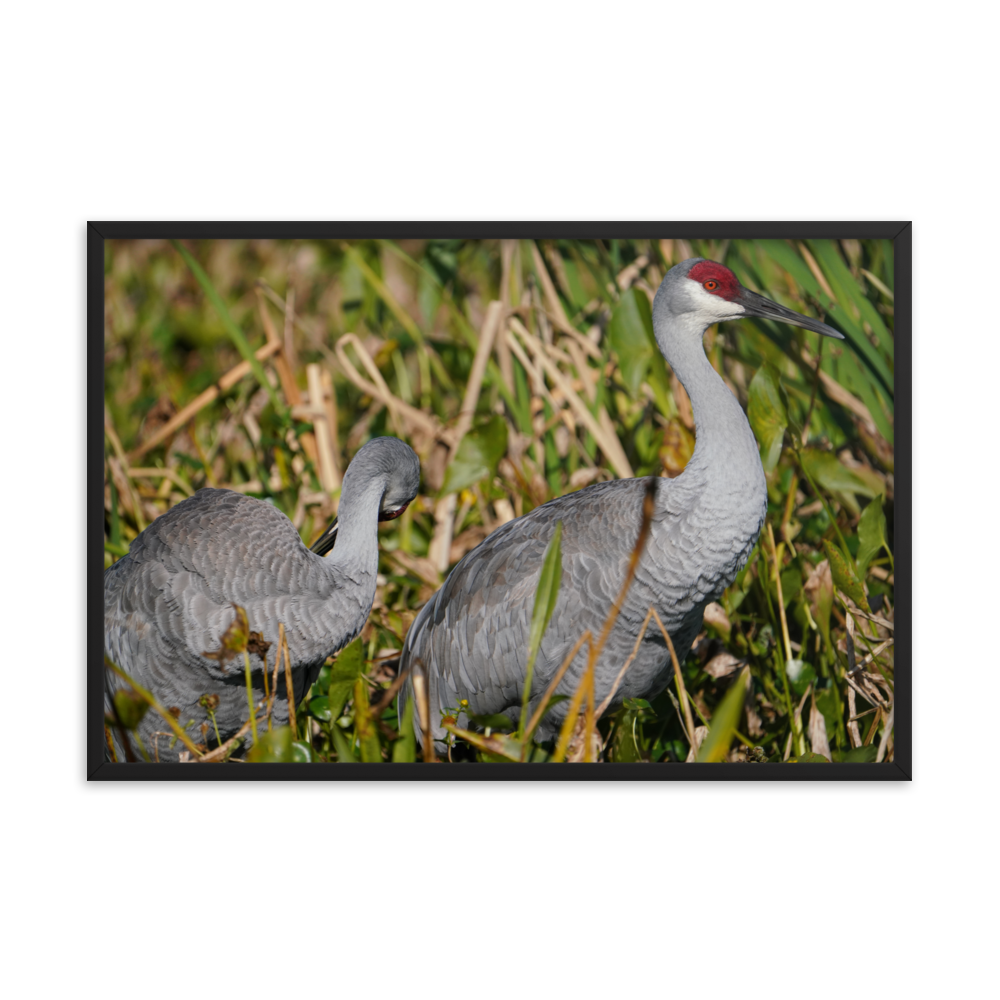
(326,541)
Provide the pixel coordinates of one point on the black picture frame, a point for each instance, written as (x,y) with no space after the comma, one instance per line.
(900,232)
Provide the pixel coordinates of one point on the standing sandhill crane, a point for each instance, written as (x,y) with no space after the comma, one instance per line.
(471,639)
(169,601)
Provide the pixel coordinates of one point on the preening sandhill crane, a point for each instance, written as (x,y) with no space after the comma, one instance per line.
(471,639)
(170,600)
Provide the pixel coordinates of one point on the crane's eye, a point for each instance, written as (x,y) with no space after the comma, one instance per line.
(711,285)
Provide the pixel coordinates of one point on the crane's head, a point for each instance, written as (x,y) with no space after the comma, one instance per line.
(384,464)
(710,293)
(402,470)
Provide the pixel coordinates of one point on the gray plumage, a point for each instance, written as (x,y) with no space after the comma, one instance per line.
(170,599)
(471,639)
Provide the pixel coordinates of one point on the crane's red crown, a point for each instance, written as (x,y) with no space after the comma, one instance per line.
(716,279)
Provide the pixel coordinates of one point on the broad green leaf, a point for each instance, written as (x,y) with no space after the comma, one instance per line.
(350,662)
(302,753)
(477,457)
(808,758)
(859,755)
(630,334)
(349,666)
(872,479)
(871,534)
(322,681)
(829,473)
(319,708)
(343,744)
(724,722)
(546,597)
(274,747)
(844,577)
(637,703)
(793,263)
(404,750)
(768,414)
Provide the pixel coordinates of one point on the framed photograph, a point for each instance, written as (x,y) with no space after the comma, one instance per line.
(499,500)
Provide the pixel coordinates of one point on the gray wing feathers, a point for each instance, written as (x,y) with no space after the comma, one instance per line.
(473,633)
(472,636)
(170,600)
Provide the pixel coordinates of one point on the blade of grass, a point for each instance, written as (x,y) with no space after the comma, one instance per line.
(404,750)
(289,685)
(546,596)
(846,289)
(253,713)
(720,734)
(364,727)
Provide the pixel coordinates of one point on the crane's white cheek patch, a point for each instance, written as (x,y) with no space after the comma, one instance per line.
(715,306)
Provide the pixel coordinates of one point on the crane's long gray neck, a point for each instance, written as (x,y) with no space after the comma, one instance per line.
(355,555)
(724,444)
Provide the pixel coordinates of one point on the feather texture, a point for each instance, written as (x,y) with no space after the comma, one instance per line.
(169,601)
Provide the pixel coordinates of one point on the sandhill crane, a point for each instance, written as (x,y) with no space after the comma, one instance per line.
(170,600)
(471,639)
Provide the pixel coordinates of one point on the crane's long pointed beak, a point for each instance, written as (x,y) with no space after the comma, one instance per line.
(391,515)
(757,305)
(326,541)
